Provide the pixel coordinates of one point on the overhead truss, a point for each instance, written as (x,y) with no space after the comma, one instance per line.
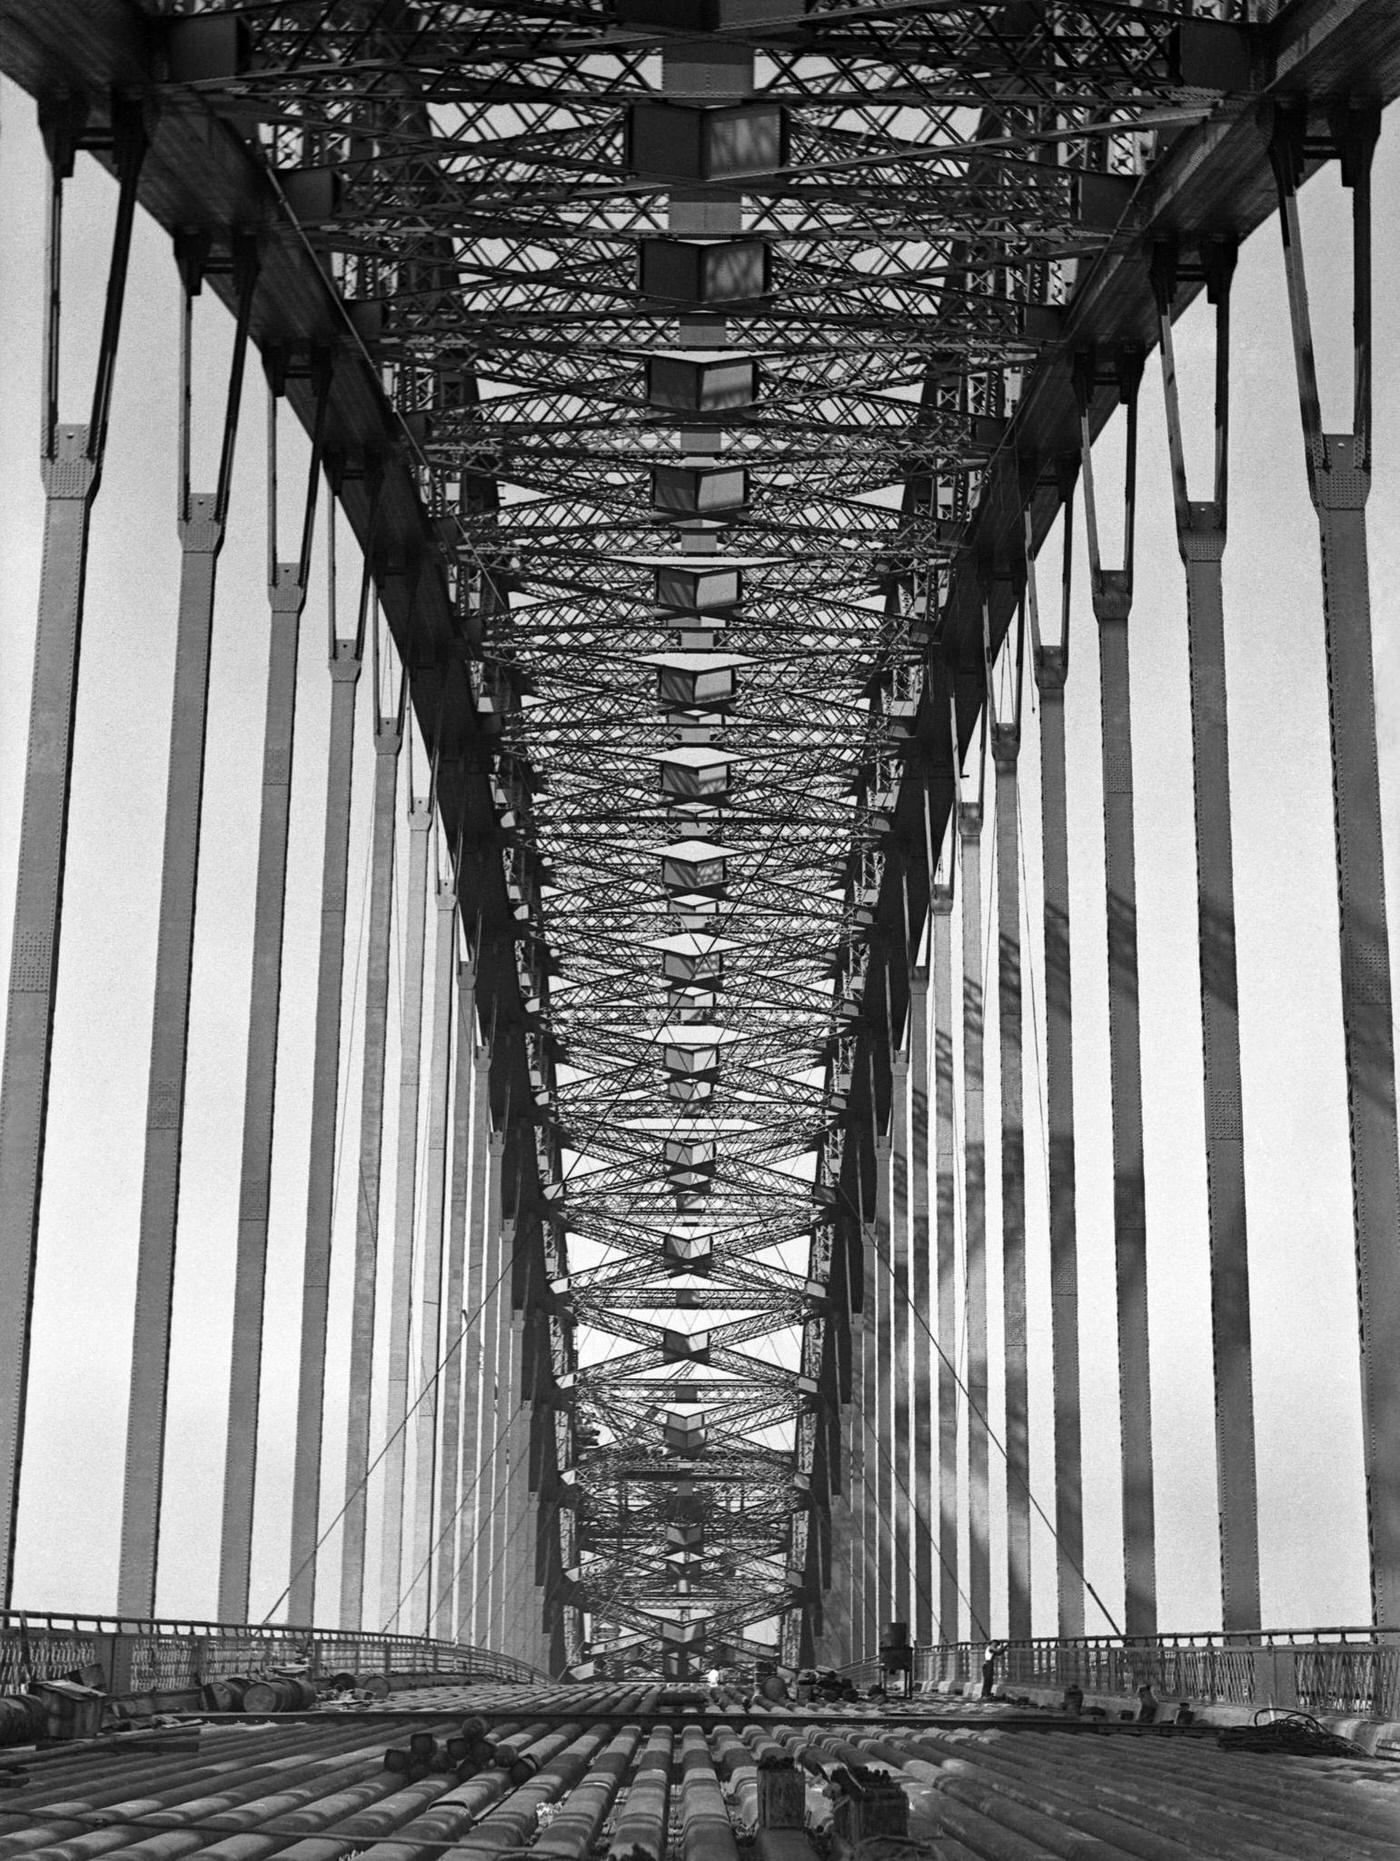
(703,319)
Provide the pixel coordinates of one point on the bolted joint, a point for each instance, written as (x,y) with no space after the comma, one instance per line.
(1112,594)
(1200,532)
(1162,265)
(1006,745)
(1050,670)
(969,819)
(1121,369)
(1355,131)
(68,471)
(1342,478)
(345,663)
(1213,264)
(192,247)
(287,590)
(201,530)
(63,117)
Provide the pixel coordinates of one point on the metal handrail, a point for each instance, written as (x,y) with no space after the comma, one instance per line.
(139,1654)
(1353,1671)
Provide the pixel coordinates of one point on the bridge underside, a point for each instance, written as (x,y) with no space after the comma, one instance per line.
(700,378)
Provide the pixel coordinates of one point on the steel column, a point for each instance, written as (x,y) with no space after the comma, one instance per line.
(945,1261)
(388,738)
(496,1267)
(872,1524)
(200,523)
(1339,481)
(288,596)
(71,469)
(391,1598)
(1112,600)
(901,1459)
(432,1344)
(500,1421)
(1050,668)
(1006,743)
(922,1625)
(455,1323)
(518,1565)
(1200,533)
(881,1419)
(345,662)
(481,1270)
(975,1219)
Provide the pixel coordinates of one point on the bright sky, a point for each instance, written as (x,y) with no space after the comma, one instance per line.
(1306,1377)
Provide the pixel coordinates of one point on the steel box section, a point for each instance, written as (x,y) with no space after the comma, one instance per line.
(704,272)
(692,865)
(685,1347)
(693,773)
(699,491)
(688,1252)
(698,590)
(704,384)
(688,686)
(686,142)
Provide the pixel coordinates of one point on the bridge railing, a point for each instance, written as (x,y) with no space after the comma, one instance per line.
(180,1655)
(1337,1670)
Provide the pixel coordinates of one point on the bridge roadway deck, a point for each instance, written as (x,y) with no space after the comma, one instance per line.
(636,1772)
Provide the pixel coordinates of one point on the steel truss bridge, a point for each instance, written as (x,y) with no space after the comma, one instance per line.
(692,385)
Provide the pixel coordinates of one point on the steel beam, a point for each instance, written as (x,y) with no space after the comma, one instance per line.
(1050,668)
(945,1261)
(391,1589)
(345,662)
(1200,533)
(388,738)
(483,1267)
(1112,591)
(925,1525)
(288,597)
(882,1438)
(434,1365)
(454,1298)
(975,1220)
(900,1442)
(71,468)
(1339,482)
(1006,743)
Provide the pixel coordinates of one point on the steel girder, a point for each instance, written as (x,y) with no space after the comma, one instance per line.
(934,221)
(699,535)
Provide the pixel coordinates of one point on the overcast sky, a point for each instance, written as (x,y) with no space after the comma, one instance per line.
(1304,1309)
